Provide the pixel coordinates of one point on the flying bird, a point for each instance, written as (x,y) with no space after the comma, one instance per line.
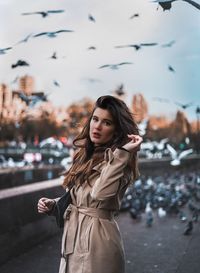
(54,55)
(170,68)
(15,80)
(148,44)
(52,34)
(161,99)
(4,50)
(31,100)
(184,106)
(91,18)
(169,44)
(20,63)
(93,80)
(25,40)
(120,91)
(114,66)
(92,48)
(137,46)
(134,15)
(167,4)
(56,83)
(176,158)
(44,13)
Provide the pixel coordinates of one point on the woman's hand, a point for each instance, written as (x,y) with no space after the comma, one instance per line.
(134,144)
(45,205)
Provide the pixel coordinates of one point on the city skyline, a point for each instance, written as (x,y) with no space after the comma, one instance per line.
(165,73)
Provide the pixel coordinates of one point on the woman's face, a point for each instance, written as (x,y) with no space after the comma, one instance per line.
(102,127)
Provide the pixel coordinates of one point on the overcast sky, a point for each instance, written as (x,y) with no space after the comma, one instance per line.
(76,65)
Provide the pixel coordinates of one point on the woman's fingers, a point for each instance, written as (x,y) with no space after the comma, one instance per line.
(42,205)
(135,138)
(134,143)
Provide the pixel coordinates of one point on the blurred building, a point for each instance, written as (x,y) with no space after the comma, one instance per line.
(180,128)
(139,107)
(27,85)
(11,107)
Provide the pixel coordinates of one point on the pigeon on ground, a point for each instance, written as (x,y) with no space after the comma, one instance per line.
(189,228)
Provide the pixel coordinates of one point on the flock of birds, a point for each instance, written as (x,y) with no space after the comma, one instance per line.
(34,98)
(163,149)
(165,4)
(161,196)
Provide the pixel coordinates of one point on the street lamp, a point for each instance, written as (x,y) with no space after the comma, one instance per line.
(198,126)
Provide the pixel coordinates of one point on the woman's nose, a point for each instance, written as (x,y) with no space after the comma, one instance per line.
(98,125)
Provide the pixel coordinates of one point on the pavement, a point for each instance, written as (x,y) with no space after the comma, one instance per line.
(161,248)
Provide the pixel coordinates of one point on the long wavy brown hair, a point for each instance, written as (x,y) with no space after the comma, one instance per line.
(87,155)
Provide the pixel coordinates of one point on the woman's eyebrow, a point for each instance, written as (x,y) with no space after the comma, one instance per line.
(104,119)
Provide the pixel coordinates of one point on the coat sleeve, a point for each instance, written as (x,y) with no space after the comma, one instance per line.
(107,184)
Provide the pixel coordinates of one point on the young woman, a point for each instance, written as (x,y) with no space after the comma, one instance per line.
(105,163)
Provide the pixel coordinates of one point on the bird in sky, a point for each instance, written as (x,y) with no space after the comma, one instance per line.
(44,13)
(91,18)
(54,55)
(184,106)
(167,4)
(161,99)
(137,46)
(93,80)
(134,16)
(4,50)
(114,66)
(25,40)
(92,48)
(19,63)
(52,34)
(56,83)
(170,68)
(169,44)
(119,92)
(15,80)
(32,99)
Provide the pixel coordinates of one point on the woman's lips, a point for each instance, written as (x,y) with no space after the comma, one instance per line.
(96,135)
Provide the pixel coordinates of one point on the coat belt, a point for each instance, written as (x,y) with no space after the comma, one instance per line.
(71,214)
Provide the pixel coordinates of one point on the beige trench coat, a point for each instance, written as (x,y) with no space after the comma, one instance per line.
(91,241)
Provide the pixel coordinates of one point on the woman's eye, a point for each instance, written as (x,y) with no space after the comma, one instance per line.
(95,118)
(107,123)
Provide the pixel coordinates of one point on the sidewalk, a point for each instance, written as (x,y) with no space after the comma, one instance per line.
(161,248)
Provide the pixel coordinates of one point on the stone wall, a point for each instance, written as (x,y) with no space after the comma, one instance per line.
(21,225)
